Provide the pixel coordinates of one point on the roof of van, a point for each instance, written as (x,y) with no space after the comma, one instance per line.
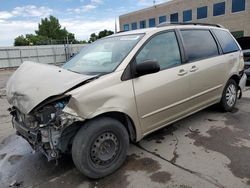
(168,26)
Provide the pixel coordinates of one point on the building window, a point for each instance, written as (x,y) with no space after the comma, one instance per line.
(126,27)
(162,19)
(134,26)
(219,9)
(143,24)
(152,22)
(174,17)
(187,15)
(238,5)
(202,12)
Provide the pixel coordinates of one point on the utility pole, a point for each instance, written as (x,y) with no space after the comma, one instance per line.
(154,3)
(67,38)
(115,26)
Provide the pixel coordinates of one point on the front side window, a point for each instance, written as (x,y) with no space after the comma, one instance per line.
(142,24)
(162,48)
(202,12)
(238,5)
(226,41)
(219,9)
(187,15)
(199,44)
(174,17)
(162,19)
(102,56)
(134,26)
(126,27)
(152,22)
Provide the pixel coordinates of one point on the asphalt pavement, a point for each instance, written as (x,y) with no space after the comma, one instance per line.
(207,149)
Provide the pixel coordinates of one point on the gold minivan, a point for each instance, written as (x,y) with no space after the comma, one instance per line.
(123,87)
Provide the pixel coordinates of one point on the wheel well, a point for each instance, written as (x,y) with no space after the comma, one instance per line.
(236,78)
(69,133)
(125,120)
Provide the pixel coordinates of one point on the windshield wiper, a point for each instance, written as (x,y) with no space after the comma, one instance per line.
(73,71)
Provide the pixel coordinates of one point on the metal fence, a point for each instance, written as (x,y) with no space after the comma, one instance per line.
(49,54)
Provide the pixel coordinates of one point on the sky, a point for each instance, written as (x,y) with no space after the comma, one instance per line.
(81,17)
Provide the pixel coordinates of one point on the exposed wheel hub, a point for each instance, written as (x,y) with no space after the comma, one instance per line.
(104,149)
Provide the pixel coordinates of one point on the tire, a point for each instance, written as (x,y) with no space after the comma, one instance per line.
(100,147)
(231,89)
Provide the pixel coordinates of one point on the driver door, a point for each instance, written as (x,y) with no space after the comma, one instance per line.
(163,96)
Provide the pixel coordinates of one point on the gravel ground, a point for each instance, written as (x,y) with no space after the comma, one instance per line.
(207,149)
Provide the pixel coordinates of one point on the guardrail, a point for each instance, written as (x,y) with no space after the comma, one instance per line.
(48,54)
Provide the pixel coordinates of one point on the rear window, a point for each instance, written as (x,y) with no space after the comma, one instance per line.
(199,44)
(226,41)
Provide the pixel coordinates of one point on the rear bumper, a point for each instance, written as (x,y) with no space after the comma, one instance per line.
(247,72)
(242,83)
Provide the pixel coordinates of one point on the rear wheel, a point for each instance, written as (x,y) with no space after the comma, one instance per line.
(100,147)
(229,96)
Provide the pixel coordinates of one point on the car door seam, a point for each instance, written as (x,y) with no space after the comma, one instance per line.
(181,102)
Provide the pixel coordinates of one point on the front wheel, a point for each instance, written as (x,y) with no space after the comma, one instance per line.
(229,96)
(100,147)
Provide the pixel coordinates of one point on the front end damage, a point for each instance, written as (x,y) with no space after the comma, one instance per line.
(47,129)
(38,95)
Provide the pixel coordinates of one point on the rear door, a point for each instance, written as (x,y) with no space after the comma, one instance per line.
(161,97)
(205,65)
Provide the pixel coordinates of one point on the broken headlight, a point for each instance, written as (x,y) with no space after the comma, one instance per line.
(49,113)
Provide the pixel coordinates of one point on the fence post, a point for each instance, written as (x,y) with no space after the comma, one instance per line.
(37,55)
(8,55)
(54,54)
(21,57)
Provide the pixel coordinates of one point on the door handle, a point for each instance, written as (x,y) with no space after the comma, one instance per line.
(182,72)
(193,69)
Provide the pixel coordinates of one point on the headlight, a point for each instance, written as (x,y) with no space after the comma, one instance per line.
(50,111)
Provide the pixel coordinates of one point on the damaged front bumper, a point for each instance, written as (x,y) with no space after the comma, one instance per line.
(52,138)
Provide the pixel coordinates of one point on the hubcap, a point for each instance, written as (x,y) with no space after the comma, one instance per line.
(231,95)
(104,149)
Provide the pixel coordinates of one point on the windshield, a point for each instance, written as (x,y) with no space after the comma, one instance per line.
(102,56)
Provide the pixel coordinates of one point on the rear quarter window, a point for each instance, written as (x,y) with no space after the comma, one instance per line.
(226,41)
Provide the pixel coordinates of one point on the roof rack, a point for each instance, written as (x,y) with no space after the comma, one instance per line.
(188,23)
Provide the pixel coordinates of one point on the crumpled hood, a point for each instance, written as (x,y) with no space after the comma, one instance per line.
(32,83)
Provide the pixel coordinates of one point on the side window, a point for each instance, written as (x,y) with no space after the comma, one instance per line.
(162,48)
(199,44)
(226,41)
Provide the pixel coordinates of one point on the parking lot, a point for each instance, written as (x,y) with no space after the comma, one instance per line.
(207,149)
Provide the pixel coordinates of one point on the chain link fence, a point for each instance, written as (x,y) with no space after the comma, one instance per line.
(48,54)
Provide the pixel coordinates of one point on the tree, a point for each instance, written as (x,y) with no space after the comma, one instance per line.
(36,39)
(49,32)
(104,33)
(51,28)
(21,41)
(93,37)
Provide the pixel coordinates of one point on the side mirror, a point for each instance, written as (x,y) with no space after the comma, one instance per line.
(147,67)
